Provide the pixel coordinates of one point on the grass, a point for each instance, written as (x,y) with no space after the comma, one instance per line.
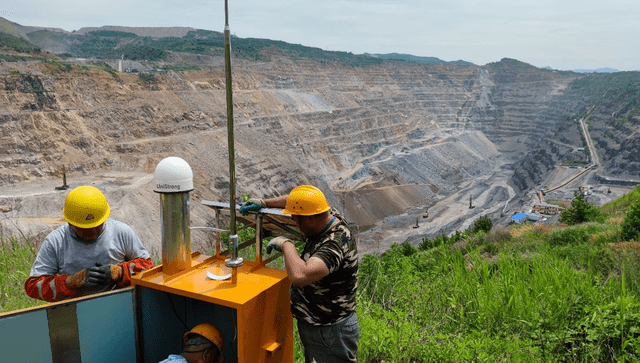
(531,293)
(15,264)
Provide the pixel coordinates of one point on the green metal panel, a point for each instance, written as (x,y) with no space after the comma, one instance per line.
(24,338)
(107,328)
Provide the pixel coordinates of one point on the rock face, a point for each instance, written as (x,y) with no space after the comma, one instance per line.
(381,141)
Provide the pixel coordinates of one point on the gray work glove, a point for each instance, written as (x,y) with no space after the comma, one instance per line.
(104,274)
(277,243)
(252,205)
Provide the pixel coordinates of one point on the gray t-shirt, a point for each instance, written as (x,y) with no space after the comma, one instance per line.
(62,252)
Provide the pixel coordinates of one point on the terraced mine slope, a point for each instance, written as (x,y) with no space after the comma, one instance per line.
(384,142)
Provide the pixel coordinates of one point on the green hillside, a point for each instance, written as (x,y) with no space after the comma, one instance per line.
(10,42)
(114,44)
(13,49)
(420,60)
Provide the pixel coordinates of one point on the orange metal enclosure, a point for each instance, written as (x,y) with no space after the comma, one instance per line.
(253,314)
(146,323)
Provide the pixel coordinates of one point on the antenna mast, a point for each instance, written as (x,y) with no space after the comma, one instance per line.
(234,261)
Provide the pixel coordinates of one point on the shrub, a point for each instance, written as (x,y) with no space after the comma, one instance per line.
(630,227)
(407,249)
(148,78)
(581,211)
(498,235)
(482,224)
(574,235)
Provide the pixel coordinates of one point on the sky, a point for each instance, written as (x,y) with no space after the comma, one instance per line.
(561,34)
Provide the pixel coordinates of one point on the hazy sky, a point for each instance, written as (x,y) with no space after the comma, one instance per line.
(562,34)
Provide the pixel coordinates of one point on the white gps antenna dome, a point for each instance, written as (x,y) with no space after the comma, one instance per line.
(173,175)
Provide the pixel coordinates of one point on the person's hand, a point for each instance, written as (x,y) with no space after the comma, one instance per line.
(104,274)
(252,205)
(277,243)
(79,281)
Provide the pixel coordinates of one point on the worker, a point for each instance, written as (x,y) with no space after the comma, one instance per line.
(323,278)
(202,344)
(90,253)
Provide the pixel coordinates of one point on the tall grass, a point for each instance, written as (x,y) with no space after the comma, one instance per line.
(546,295)
(16,259)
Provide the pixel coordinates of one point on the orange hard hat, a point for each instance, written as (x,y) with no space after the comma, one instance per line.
(209,332)
(306,200)
(86,207)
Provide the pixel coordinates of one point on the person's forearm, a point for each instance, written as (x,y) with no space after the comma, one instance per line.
(301,272)
(49,288)
(133,267)
(293,263)
(277,202)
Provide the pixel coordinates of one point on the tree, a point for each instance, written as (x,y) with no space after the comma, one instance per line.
(631,223)
(581,211)
(482,224)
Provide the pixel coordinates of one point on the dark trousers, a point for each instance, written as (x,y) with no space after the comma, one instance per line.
(335,343)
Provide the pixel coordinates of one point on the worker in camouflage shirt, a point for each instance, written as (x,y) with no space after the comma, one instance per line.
(323,277)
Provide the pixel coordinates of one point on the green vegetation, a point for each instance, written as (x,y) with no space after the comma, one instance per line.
(581,211)
(631,223)
(180,68)
(114,44)
(10,42)
(614,94)
(527,294)
(483,224)
(107,68)
(59,66)
(421,60)
(112,34)
(148,78)
(18,58)
(15,264)
(531,293)
(138,52)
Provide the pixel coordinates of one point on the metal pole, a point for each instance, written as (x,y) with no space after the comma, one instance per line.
(234,261)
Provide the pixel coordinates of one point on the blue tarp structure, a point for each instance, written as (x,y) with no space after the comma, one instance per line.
(519,217)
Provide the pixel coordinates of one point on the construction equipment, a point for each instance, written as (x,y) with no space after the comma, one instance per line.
(64,185)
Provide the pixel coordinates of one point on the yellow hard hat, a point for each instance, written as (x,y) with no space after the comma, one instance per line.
(208,331)
(86,207)
(305,200)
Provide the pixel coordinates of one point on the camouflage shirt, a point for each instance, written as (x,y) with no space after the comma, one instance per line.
(332,298)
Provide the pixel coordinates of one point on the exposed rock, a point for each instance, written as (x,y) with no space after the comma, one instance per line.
(384,142)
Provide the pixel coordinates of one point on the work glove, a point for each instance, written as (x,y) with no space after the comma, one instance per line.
(79,281)
(104,274)
(252,205)
(277,243)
